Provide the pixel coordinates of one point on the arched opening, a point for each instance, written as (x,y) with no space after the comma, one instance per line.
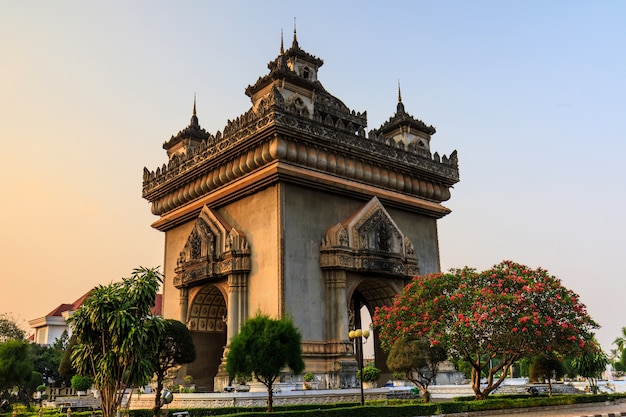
(207,323)
(367,295)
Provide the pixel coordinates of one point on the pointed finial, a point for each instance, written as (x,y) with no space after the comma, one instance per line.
(295,37)
(400,106)
(194,118)
(282,48)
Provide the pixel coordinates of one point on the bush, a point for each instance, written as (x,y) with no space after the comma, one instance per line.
(81,383)
(370,374)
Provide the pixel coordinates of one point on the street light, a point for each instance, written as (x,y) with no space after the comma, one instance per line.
(357,337)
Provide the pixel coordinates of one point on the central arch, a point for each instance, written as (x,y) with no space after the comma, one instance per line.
(368,293)
(366,261)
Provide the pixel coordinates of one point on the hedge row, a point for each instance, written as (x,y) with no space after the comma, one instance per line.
(394,408)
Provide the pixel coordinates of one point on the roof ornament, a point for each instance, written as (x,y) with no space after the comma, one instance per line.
(295,37)
(400,107)
(194,117)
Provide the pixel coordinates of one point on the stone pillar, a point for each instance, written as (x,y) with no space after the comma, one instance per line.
(237,303)
(184,304)
(336,305)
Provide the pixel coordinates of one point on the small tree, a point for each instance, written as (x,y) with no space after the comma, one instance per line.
(417,360)
(370,373)
(9,329)
(116,335)
(263,348)
(591,363)
(81,383)
(175,348)
(47,360)
(547,367)
(16,366)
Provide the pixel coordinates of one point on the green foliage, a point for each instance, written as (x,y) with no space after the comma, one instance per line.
(175,348)
(417,360)
(16,365)
(263,348)
(506,313)
(546,368)
(47,359)
(9,329)
(591,363)
(309,377)
(370,373)
(620,342)
(81,383)
(116,335)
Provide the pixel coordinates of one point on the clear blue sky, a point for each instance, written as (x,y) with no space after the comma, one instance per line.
(530,93)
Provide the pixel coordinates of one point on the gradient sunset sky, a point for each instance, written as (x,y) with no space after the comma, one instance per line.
(532,94)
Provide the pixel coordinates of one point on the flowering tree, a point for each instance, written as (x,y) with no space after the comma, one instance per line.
(490,319)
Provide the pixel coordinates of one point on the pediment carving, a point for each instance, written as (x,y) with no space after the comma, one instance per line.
(213,250)
(371,241)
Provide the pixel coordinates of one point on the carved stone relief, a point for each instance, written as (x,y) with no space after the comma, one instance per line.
(213,250)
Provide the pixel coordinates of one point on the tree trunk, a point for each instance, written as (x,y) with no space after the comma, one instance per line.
(549,387)
(157,397)
(270,397)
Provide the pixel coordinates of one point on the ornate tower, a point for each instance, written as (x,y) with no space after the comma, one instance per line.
(294,210)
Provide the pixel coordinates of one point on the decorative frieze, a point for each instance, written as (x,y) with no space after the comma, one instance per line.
(321,145)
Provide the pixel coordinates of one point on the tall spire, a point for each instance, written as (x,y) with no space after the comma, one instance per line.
(400,107)
(295,37)
(194,118)
(282,47)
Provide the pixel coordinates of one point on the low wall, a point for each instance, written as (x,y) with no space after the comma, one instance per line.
(251,399)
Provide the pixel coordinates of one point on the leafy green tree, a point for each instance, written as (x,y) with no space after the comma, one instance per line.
(116,335)
(620,341)
(66,368)
(16,365)
(175,348)
(263,348)
(418,360)
(9,329)
(547,367)
(370,373)
(590,363)
(81,383)
(490,319)
(47,359)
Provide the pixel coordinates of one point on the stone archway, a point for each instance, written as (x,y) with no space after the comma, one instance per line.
(366,260)
(212,278)
(369,293)
(207,321)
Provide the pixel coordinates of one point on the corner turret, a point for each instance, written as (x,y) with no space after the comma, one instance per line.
(188,139)
(405,128)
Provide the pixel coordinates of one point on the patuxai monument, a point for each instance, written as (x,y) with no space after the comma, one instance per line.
(294,209)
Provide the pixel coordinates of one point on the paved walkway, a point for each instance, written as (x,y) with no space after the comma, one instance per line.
(578,410)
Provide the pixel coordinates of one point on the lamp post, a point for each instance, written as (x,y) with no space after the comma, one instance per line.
(357,337)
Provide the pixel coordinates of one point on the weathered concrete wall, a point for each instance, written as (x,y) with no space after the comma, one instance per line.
(307,215)
(257,216)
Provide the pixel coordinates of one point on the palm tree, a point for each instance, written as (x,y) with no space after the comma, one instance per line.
(620,342)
